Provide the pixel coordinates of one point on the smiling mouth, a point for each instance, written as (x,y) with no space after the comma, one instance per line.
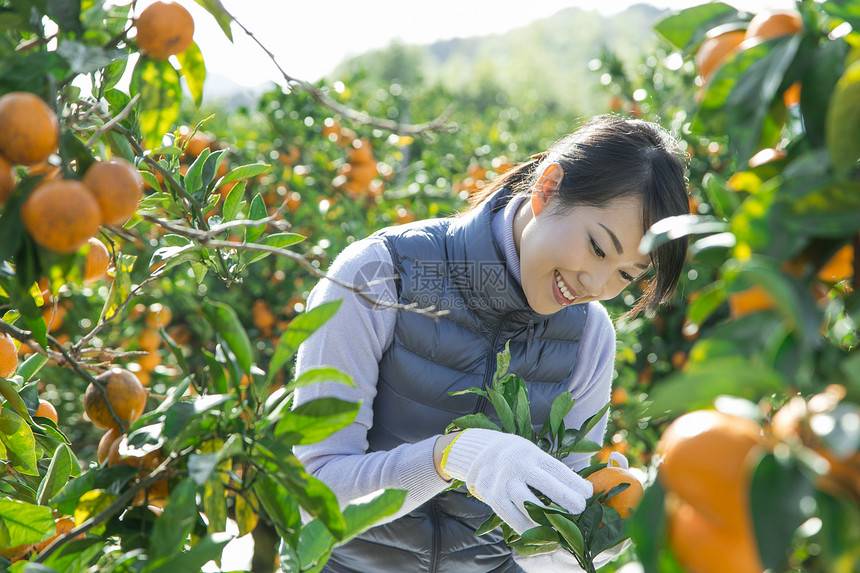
(562,287)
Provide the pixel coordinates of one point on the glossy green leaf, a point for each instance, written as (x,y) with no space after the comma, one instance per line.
(777,493)
(257,211)
(683,27)
(221,16)
(318,375)
(647,527)
(157,83)
(818,83)
(474,421)
(215,505)
(280,507)
(61,468)
(17,437)
(206,549)
(299,330)
(24,522)
(697,388)
(706,301)
(226,323)
(244,172)
(503,410)
(315,420)
(843,122)
(193,178)
(169,534)
(276,240)
(677,227)
(194,71)
(845,9)
(569,531)
(13,399)
(524,415)
(234,202)
(31,366)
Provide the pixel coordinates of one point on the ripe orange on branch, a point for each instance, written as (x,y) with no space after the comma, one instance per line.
(29,130)
(714,51)
(124,392)
(61,215)
(8,356)
(7,179)
(625,501)
(117,186)
(164,29)
(47,410)
(97,261)
(769,24)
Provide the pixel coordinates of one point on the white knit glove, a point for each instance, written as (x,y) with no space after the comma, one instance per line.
(498,469)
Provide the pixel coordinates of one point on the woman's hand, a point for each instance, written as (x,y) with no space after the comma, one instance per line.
(499,468)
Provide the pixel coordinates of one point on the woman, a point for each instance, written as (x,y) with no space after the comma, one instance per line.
(527,263)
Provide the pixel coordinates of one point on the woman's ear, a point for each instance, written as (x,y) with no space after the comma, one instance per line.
(547,184)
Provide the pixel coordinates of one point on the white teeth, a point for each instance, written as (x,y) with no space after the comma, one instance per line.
(563,288)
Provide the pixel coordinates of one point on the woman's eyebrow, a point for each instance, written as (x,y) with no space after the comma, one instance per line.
(615,240)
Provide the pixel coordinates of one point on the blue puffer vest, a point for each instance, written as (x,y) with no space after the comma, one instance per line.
(454,264)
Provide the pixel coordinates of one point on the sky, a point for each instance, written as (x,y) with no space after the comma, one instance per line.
(311,37)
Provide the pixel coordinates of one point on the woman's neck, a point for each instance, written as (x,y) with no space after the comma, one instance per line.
(521,219)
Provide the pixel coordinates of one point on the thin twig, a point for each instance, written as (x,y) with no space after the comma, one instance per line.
(438,124)
(113,121)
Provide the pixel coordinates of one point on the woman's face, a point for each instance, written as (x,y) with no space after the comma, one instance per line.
(581,255)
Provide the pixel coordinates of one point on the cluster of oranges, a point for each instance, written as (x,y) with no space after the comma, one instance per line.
(765,25)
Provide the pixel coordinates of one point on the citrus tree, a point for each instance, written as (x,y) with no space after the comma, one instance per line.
(764,326)
(141,412)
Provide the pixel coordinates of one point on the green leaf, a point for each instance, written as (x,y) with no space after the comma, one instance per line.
(474,421)
(492,522)
(276,240)
(647,527)
(729,376)
(244,172)
(59,471)
(225,321)
(503,411)
(215,505)
(677,227)
(31,366)
(209,547)
(706,301)
(280,507)
(194,176)
(234,203)
(24,522)
(112,479)
(682,28)
(524,415)
(194,71)
(157,83)
(777,493)
(569,531)
(315,542)
(246,515)
(297,332)
(593,421)
(17,437)
(221,16)
(846,10)
(843,122)
(318,375)
(13,399)
(818,84)
(312,494)
(257,212)
(314,421)
(171,530)
(724,200)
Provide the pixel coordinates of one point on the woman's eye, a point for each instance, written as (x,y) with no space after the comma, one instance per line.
(597,250)
(626,277)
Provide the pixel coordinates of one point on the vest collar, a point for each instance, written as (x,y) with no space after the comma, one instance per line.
(479,265)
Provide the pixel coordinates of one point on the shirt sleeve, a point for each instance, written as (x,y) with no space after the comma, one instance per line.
(353,341)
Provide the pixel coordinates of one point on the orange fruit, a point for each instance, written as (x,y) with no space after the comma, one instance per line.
(752,300)
(30,130)
(125,394)
(714,51)
(54,317)
(156,495)
(619,396)
(707,456)
(7,179)
(703,546)
(16,553)
(791,95)
(624,502)
(769,24)
(61,215)
(158,315)
(839,267)
(117,187)
(149,339)
(164,29)
(97,261)
(106,443)
(198,142)
(8,356)
(47,410)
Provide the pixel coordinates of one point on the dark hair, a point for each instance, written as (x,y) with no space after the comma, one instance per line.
(607,158)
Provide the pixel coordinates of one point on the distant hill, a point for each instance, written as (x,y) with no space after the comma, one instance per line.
(548,57)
